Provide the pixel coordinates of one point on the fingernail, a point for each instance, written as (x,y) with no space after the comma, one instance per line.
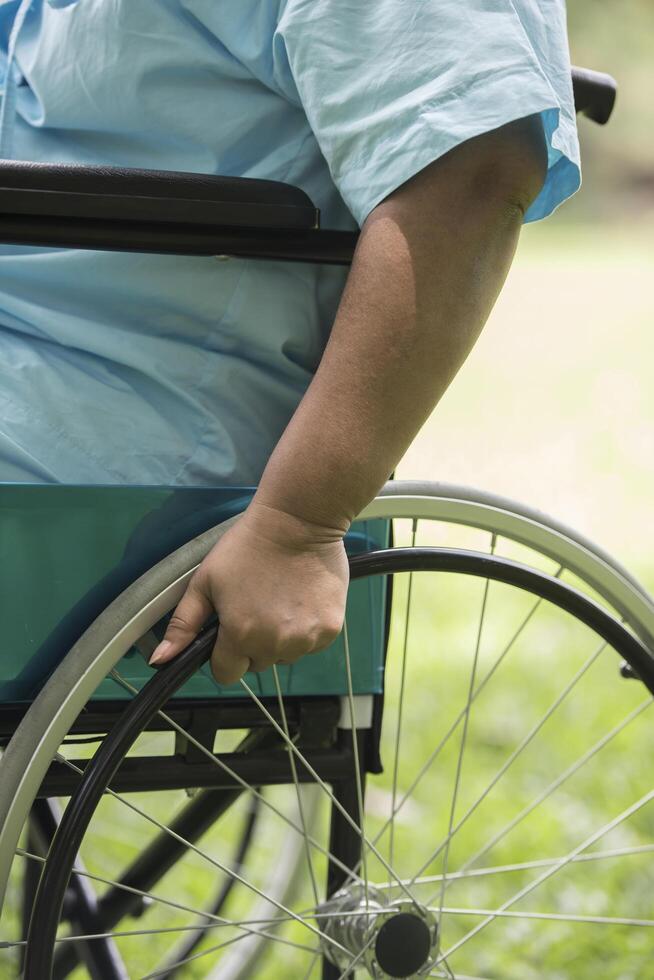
(160,652)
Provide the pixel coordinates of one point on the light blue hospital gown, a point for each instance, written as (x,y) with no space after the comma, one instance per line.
(118,368)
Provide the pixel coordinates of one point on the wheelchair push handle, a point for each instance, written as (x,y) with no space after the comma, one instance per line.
(132,210)
(594,93)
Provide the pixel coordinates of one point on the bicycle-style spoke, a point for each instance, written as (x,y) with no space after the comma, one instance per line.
(357,763)
(166,930)
(435,753)
(464,734)
(330,796)
(526,866)
(400,707)
(312,965)
(216,949)
(356,959)
(548,873)
(556,783)
(448,971)
(608,920)
(150,896)
(517,752)
(457,976)
(298,791)
(226,923)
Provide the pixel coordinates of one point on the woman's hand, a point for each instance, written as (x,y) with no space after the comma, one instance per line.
(278,585)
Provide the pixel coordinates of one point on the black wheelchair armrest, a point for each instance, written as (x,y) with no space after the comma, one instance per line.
(121,194)
(114,208)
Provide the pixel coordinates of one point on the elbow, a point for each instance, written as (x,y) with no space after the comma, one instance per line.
(509,164)
(501,170)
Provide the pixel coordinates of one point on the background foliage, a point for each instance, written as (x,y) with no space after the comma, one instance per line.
(617,36)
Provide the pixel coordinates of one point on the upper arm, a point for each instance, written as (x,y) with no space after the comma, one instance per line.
(388,92)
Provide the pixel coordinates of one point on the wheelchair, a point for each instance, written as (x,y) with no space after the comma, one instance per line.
(413,801)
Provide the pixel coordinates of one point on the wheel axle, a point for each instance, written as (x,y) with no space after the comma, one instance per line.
(388,939)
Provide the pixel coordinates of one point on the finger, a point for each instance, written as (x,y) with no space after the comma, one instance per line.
(228,665)
(186,622)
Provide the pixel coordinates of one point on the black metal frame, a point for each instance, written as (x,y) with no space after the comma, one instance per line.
(196,715)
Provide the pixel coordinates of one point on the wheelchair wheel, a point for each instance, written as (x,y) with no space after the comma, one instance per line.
(510,833)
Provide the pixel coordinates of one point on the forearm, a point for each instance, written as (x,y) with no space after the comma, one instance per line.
(430,263)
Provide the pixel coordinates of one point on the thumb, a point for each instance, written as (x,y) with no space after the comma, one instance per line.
(227,664)
(185,623)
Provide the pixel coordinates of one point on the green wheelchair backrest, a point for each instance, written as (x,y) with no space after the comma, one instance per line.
(67,552)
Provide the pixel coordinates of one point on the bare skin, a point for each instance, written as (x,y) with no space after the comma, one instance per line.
(430,263)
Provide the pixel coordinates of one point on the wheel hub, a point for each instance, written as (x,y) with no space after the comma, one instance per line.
(389,939)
